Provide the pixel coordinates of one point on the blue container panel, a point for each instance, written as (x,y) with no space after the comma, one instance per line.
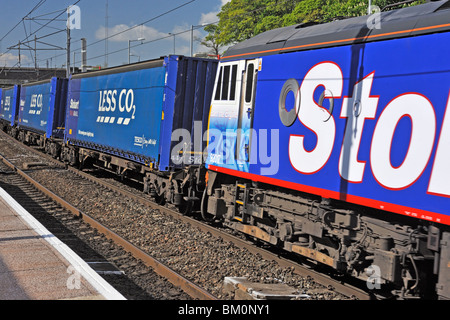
(386,143)
(9,104)
(117,113)
(187,103)
(57,109)
(34,107)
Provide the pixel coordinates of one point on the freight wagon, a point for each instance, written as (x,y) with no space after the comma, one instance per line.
(123,120)
(41,114)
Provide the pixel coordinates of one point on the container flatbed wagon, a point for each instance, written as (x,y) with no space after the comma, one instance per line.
(123,118)
(42,111)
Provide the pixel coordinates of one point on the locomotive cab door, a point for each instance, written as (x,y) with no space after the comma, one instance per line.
(246,111)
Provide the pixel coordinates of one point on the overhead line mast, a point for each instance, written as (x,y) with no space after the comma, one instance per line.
(106,35)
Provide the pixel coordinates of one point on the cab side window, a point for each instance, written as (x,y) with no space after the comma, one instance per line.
(226,83)
(250,79)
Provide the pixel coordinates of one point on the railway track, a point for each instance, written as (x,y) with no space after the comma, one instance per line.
(200,252)
(107,253)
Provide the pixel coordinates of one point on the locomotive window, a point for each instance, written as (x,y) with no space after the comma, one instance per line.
(249,87)
(219,85)
(233,82)
(226,82)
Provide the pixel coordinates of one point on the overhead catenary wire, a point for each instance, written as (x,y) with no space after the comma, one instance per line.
(26,41)
(160,38)
(146,42)
(120,32)
(61,12)
(40,3)
(127,30)
(112,35)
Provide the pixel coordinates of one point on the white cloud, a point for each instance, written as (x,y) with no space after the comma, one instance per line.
(211,17)
(208,18)
(183,50)
(123,33)
(10,60)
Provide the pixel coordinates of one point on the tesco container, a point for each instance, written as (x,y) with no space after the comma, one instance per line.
(131,111)
(9,105)
(42,107)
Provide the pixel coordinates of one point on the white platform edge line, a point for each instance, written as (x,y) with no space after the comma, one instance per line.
(103,287)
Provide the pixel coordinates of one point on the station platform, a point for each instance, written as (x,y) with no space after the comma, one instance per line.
(35,265)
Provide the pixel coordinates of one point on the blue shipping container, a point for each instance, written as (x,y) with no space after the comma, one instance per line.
(131,111)
(10,105)
(42,107)
(56,118)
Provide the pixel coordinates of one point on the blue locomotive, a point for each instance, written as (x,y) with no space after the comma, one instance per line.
(329,141)
(326,140)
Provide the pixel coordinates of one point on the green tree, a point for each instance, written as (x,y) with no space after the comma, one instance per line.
(272,13)
(321,11)
(210,41)
(307,11)
(242,19)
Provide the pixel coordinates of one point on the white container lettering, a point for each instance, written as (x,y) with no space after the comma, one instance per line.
(112,100)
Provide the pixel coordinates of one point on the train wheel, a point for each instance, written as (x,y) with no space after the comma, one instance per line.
(185,207)
(160,199)
(204,208)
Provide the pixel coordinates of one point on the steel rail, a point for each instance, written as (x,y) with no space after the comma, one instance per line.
(322,279)
(176,279)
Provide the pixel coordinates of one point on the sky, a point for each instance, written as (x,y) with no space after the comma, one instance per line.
(165,27)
